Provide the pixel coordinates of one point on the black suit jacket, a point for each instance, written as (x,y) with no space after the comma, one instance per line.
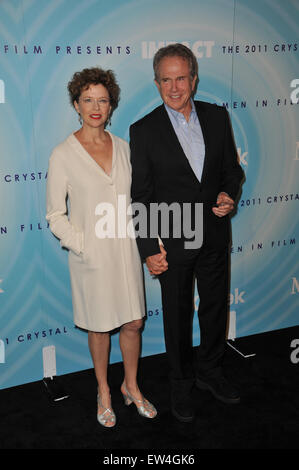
(161,173)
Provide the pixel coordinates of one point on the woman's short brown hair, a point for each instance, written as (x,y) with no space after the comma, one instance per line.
(94,76)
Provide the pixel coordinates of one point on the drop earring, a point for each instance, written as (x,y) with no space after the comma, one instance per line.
(80,118)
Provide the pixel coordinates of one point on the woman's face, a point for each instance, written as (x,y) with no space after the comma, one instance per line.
(94,106)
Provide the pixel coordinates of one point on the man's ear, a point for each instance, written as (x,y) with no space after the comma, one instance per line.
(157,84)
(194,82)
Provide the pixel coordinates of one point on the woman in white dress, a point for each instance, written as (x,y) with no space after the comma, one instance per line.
(91,169)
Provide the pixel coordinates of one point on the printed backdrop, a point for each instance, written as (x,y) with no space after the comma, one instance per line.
(247,52)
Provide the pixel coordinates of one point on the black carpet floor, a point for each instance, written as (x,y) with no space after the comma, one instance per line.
(266,418)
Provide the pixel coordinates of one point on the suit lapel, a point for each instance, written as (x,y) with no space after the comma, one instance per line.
(169,136)
(202,117)
(168,133)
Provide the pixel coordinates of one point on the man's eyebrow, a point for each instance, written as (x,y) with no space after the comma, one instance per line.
(179,76)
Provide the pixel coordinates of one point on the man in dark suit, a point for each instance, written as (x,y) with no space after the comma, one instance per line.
(183,152)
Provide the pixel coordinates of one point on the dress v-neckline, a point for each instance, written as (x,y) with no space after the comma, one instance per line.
(77,141)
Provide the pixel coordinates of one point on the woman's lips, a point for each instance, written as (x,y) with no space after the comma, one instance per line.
(95,116)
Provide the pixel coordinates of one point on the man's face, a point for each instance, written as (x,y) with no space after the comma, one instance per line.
(175,84)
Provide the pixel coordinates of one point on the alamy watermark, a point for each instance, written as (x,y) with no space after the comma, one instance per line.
(155,220)
(295,353)
(2,91)
(295,93)
(2,352)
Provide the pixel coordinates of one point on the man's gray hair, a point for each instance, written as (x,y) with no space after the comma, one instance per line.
(175,50)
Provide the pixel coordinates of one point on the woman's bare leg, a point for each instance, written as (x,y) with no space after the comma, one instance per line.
(129,341)
(99,346)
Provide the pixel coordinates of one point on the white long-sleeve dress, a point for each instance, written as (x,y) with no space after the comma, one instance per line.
(106,273)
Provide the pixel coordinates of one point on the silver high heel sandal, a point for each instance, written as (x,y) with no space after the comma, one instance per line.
(144,407)
(107,418)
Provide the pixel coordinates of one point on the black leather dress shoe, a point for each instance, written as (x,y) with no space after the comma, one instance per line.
(181,402)
(219,387)
(183,411)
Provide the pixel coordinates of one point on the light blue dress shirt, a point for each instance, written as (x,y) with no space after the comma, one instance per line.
(190,137)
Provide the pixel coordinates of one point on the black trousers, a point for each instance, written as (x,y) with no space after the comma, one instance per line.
(210,269)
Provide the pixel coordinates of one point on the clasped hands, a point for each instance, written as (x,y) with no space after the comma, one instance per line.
(157,264)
